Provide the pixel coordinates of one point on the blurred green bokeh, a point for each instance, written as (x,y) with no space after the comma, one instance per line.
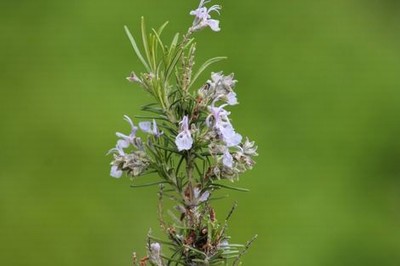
(319,86)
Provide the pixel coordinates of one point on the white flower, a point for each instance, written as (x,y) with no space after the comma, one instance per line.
(244,155)
(203,19)
(184,139)
(248,148)
(150,128)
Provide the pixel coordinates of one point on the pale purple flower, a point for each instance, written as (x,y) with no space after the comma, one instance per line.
(222,87)
(228,134)
(184,139)
(219,114)
(115,171)
(155,254)
(226,82)
(231,98)
(227,159)
(156,248)
(222,125)
(199,197)
(125,140)
(117,149)
(150,128)
(203,19)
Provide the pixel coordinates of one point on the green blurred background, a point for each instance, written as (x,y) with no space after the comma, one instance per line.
(319,90)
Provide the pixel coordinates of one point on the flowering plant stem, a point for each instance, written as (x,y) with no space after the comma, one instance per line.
(189,142)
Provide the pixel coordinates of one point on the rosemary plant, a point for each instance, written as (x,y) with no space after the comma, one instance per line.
(189,142)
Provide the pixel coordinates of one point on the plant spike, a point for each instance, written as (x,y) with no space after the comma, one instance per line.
(188,143)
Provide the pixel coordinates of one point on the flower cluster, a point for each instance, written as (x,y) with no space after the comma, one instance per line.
(135,162)
(220,87)
(195,151)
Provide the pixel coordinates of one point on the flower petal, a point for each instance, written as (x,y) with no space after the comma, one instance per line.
(204,196)
(227,159)
(214,24)
(231,98)
(115,172)
(145,126)
(184,141)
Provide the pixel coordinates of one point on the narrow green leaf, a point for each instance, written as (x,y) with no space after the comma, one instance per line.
(230,187)
(166,242)
(161,29)
(171,50)
(188,43)
(154,49)
(173,43)
(149,184)
(248,244)
(196,251)
(145,42)
(149,105)
(172,65)
(204,67)
(152,117)
(171,259)
(136,48)
(159,40)
(167,149)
